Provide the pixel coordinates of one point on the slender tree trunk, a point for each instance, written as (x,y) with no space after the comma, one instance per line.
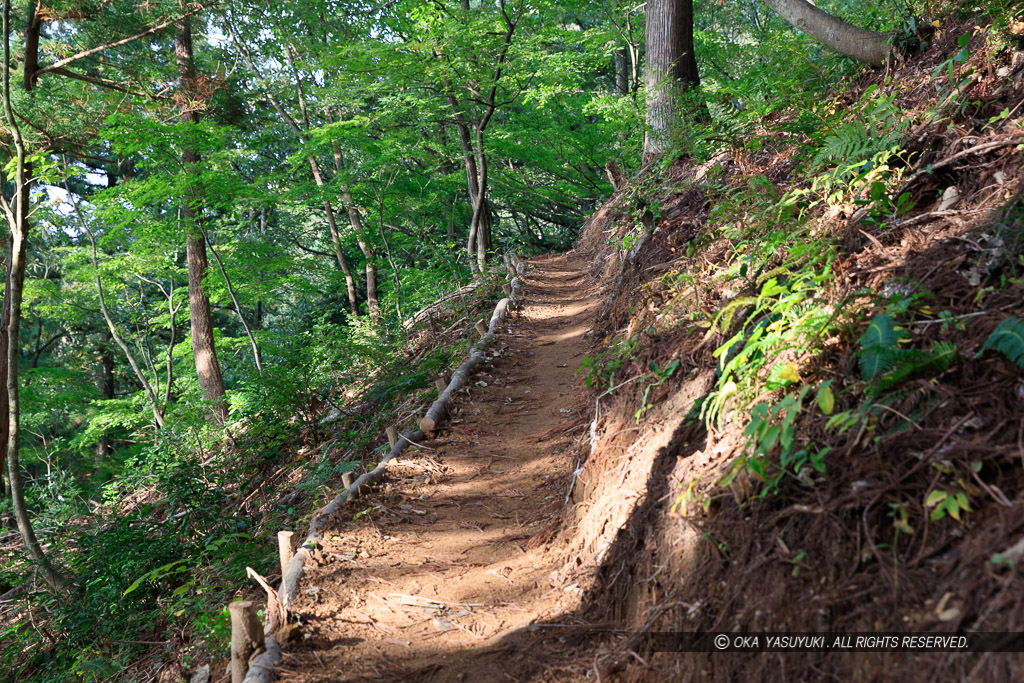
(865,46)
(350,281)
(332,223)
(369,253)
(621,73)
(204,350)
(158,409)
(17,214)
(472,179)
(5,427)
(105,385)
(671,67)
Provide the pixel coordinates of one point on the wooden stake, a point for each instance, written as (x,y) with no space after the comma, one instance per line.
(246,635)
(441,383)
(286,548)
(481,327)
(347,478)
(507,288)
(392,436)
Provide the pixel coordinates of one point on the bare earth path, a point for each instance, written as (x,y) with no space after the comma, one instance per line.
(452,555)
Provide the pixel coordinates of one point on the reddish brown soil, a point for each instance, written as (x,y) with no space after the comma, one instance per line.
(440,575)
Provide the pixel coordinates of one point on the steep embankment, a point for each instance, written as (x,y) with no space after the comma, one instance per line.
(826,441)
(427,577)
(786,417)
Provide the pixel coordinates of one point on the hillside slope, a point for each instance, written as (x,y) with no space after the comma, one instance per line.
(803,422)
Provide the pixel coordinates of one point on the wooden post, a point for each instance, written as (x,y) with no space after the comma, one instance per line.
(507,288)
(286,548)
(246,635)
(392,436)
(441,383)
(347,478)
(481,327)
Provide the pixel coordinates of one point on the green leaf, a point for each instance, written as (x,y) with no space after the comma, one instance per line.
(826,400)
(935,497)
(877,190)
(1008,339)
(952,508)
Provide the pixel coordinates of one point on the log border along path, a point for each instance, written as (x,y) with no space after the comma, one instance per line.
(261,668)
(443,573)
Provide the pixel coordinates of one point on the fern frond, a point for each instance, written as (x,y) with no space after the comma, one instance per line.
(876,361)
(1008,339)
(726,315)
(881,333)
(912,362)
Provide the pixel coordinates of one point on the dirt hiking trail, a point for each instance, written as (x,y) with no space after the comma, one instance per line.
(451,558)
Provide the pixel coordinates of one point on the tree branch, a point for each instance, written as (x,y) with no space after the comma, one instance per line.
(118,43)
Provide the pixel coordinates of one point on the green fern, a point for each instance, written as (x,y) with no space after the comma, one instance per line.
(886,365)
(878,126)
(911,362)
(850,141)
(879,350)
(1008,339)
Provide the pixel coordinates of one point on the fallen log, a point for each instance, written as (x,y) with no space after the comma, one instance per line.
(439,408)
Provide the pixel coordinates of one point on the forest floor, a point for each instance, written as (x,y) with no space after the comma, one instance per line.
(444,573)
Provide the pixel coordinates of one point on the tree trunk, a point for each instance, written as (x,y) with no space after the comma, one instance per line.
(865,46)
(671,67)
(472,179)
(621,73)
(369,253)
(332,223)
(5,321)
(105,385)
(17,214)
(203,349)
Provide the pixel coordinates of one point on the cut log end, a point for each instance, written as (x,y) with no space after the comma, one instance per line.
(481,327)
(427,425)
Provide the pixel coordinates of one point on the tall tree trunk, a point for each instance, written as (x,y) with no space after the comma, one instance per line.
(621,73)
(671,67)
(332,223)
(472,176)
(17,214)
(865,46)
(105,385)
(369,253)
(5,426)
(203,349)
(300,133)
